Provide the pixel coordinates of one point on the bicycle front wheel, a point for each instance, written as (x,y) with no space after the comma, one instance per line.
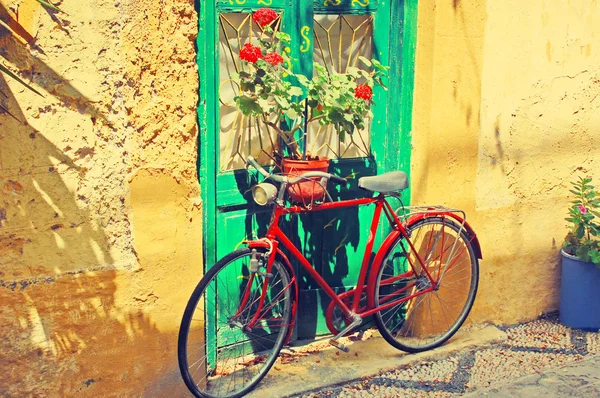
(234,326)
(433,299)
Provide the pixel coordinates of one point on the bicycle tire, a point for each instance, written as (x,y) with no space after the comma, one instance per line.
(405,325)
(219,357)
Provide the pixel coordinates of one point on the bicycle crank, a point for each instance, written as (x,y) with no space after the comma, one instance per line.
(334,316)
(334,341)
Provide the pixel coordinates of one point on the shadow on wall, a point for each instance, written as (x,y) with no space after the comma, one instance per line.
(63,333)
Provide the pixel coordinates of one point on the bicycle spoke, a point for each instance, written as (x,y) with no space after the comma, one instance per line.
(224,356)
(430,318)
(443,312)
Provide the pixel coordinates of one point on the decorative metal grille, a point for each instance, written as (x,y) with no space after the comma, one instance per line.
(339,41)
(239,135)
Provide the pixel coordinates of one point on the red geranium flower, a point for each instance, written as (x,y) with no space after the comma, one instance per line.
(250,53)
(273,58)
(264,16)
(363,91)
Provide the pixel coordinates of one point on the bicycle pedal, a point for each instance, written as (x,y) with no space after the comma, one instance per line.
(339,345)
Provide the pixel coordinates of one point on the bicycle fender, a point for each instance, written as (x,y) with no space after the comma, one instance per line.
(379,257)
(470,231)
(288,265)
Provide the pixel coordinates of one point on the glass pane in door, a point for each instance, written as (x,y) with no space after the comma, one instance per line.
(239,135)
(339,41)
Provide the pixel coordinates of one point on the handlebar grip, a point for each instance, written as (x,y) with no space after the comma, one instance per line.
(338,180)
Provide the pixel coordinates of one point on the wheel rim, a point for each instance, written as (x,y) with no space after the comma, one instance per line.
(224,355)
(427,319)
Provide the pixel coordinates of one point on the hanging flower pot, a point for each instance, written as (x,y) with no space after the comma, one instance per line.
(309,191)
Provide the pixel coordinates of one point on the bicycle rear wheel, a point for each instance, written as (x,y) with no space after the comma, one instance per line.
(221,353)
(430,313)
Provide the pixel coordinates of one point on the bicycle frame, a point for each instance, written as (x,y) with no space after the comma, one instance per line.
(275,236)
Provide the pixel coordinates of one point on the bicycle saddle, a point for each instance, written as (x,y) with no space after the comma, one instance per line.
(386,182)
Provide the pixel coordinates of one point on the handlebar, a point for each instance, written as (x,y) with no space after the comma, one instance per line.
(278,178)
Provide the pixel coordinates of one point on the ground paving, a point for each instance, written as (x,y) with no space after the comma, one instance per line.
(581,379)
(529,351)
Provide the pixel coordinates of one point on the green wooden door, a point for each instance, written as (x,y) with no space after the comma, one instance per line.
(333,33)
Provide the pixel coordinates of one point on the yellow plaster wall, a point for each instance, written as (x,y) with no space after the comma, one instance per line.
(506,113)
(100,223)
(99,212)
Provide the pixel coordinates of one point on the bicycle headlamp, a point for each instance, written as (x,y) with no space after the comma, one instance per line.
(264,193)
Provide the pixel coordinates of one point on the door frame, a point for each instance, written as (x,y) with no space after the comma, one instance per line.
(403,29)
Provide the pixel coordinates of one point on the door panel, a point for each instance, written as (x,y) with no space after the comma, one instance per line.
(333,33)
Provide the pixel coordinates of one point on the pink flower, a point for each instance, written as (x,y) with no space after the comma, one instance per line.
(250,53)
(582,209)
(264,16)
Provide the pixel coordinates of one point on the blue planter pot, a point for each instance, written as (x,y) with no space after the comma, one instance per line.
(579,294)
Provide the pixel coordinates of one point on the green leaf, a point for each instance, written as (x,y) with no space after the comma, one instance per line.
(313,103)
(17,78)
(320,69)
(366,61)
(291,113)
(282,102)
(582,253)
(303,80)
(283,37)
(248,106)
(264,105)
(580,231)
(49,5)
(295,91)
(595,256)
(379,66)
(247,86)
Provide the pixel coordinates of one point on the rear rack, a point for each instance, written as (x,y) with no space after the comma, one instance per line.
(405,212)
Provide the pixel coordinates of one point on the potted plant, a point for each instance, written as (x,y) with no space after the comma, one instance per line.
(580,285)
(287,102)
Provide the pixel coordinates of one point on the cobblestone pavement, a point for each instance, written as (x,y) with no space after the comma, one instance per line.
(581,379)
(529,349)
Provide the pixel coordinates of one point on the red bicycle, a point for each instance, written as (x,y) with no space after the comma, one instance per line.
(419,287)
